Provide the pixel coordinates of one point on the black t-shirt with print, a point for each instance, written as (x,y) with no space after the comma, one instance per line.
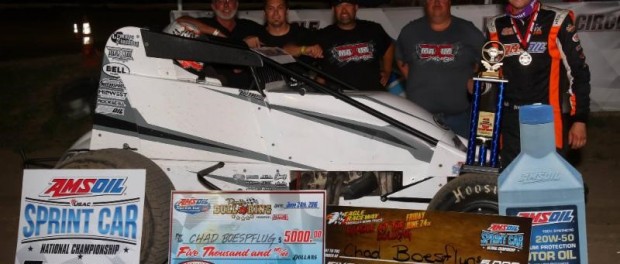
(354,56)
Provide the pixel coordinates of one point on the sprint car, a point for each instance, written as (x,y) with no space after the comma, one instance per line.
(167,103)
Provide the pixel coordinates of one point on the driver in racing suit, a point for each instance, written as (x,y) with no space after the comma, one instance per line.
(544,63)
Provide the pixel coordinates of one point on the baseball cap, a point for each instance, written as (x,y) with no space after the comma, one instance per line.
(337,2)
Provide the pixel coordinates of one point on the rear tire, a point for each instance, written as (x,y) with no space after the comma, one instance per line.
(155,226)
(470,193)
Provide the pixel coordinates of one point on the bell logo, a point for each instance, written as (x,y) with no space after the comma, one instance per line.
(115,69)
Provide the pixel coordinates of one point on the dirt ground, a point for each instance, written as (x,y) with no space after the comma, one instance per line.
(37,121)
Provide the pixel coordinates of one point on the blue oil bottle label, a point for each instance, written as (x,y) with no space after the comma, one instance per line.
(555,233)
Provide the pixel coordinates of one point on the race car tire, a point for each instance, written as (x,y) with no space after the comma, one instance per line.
(470,192)
(154,248)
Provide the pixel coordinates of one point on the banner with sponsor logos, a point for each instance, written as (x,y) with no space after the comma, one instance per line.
(373,235)
(81,216)
(598,24)
(247,227)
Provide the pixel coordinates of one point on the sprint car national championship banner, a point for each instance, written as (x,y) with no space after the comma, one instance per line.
(81,216)
(247,227)
(371,235)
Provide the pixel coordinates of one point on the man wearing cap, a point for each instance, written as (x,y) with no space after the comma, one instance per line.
(358,52)
(438,54)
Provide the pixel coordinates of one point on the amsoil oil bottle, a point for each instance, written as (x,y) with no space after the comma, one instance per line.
(541,185)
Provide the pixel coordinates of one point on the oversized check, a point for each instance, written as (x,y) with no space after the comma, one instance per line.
(247,227)
(370,235)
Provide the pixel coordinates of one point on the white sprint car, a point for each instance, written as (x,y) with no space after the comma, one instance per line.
(203,114)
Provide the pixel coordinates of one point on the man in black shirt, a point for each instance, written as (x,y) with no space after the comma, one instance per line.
(296,40)
(358,52)
(226,24)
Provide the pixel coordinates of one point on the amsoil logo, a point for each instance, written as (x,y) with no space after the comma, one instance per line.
(549,217)
(538,176)
(115,69)
(503,228)
(63,188)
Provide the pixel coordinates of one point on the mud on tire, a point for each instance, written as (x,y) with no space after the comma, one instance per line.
(154,248)
(470,192)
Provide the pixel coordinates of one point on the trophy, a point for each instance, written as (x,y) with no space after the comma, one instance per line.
(486,112)
(492,56)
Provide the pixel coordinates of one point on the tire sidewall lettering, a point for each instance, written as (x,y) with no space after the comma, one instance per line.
(463,193)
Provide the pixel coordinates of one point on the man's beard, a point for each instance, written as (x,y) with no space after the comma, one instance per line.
(346,21)
(221,14)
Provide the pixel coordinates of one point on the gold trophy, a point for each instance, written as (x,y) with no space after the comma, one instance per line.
(486,112)
(492,56)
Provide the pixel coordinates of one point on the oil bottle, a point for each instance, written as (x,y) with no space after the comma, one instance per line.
(541,185)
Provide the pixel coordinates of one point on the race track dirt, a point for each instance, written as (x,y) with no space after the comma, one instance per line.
(36,119)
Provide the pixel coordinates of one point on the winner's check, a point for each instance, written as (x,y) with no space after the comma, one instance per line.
(247,227)
(378,235)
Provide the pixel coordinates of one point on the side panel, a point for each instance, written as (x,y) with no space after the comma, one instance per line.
(190,115)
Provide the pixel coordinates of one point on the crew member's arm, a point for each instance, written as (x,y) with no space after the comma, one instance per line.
(403,67)
(306,45)
(313,51)
(255,32)
(202,27)
(470,81)
(400,53)
(253,41)
(580,88)
(388,60)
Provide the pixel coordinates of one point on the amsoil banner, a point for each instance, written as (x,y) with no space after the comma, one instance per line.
(81,216)
(372,235)
(598,24)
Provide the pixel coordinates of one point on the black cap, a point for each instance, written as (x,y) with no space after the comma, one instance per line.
(337,2)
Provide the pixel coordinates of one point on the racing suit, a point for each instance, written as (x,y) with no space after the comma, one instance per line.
(556,75)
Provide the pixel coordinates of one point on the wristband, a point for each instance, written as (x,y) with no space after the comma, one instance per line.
(215,32)
(303,50)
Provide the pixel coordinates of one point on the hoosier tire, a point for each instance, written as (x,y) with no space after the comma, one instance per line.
(154,248)
(470,193)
